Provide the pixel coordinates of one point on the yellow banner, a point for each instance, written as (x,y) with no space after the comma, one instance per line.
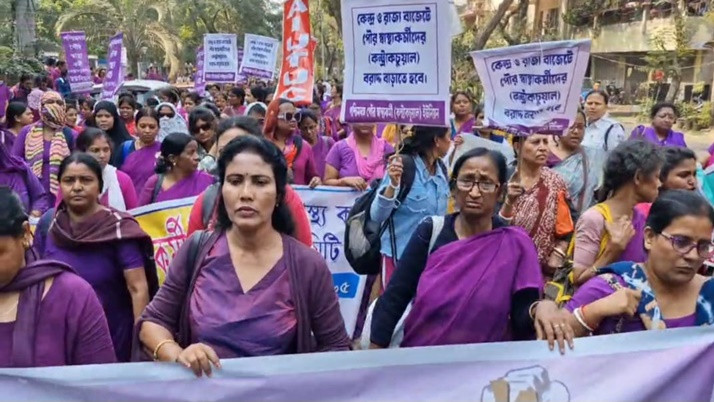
(167,225)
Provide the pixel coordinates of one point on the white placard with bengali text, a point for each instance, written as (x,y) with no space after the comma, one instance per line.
(327,208)
(260,56)
(533,88)
(220,57)
(397,61)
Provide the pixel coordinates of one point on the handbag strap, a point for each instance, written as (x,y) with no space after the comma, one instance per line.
(586,172)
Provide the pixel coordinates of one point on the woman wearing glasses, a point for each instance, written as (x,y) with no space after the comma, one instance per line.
(665,290)
(170,120)
(464,288)
(45,144)
(282,129)
(202,125)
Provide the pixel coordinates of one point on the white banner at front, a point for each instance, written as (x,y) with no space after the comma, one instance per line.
(327,208)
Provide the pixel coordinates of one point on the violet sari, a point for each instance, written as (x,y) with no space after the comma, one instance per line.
(190,186)
(464,294)
(139,164)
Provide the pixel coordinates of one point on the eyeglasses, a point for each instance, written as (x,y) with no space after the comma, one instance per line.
(485,187)
(289,116)
(683,245)
(170,116)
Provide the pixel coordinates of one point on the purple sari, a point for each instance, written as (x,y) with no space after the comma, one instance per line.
(188,187)
(466,127)
(139,165)
(464,294)
(635,250)
(333,112)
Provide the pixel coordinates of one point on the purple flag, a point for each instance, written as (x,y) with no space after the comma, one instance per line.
(114,77)
(79,74)
(668,365)
(199,84)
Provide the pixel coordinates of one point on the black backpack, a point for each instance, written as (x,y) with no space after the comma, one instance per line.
(363,236)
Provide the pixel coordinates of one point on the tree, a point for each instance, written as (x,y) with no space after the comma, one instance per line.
(672,51)
(519,33)
(145,26)
(24,27)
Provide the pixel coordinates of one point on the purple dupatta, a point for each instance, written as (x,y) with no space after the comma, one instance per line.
(139,165)
(464,294)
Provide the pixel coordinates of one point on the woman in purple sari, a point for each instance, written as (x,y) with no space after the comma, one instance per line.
(15,175)
(177,175)
(339,129)
(464,119)
(50,316)
(664,290)
(17,117)
(321,145)
(613,230)
(249,288)
(139,156)
(663,116)
(464,288)
(106,247)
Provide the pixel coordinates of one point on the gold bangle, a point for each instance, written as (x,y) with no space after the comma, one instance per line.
(158,347)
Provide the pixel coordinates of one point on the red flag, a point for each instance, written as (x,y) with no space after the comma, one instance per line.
(296,80)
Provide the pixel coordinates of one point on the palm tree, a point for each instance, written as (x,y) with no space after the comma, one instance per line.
(144,25)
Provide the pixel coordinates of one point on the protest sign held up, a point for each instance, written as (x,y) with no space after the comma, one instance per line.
(199,84)
(390,48)
(297,72)
(79,74)
(532,88)
(115,74)
(220,58)
(261,55)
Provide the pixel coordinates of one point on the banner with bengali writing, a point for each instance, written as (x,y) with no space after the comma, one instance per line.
(199,82)
(220,60)
(79,73)
(397,61)
(260,57)
(533,88)
(115,75)
(296,79)
(671,365)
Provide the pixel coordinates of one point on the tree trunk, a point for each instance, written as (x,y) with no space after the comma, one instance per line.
(25,35)
(492,24)
(673,89)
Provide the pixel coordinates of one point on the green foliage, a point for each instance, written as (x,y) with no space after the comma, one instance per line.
(582,12)
(12,67)
(703,118)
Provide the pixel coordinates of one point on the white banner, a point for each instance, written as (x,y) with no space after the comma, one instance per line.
(397,61)
(220,57)
(260,56)
(533,88)
(327,208)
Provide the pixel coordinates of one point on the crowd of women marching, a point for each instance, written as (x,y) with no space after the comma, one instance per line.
(474,244)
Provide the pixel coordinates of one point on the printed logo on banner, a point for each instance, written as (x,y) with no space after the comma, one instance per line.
(346,285)
(528,384)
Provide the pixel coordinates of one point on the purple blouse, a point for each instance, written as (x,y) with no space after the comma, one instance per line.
(319,153)
(260,322)
(342,158)
(304,164)
(674,138)
(71,329)
(103,268)
(597,288)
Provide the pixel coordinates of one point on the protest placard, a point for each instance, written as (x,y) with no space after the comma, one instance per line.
(533,88)
(115,74)
(240,78)
(397,61)
(199,83)
(79,73)
(296,79)
(261,55)
(220,58)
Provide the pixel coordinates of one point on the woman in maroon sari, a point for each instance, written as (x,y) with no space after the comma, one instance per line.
(177,175)
(139,156)
(464,288)
(50,316)
(251,288)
